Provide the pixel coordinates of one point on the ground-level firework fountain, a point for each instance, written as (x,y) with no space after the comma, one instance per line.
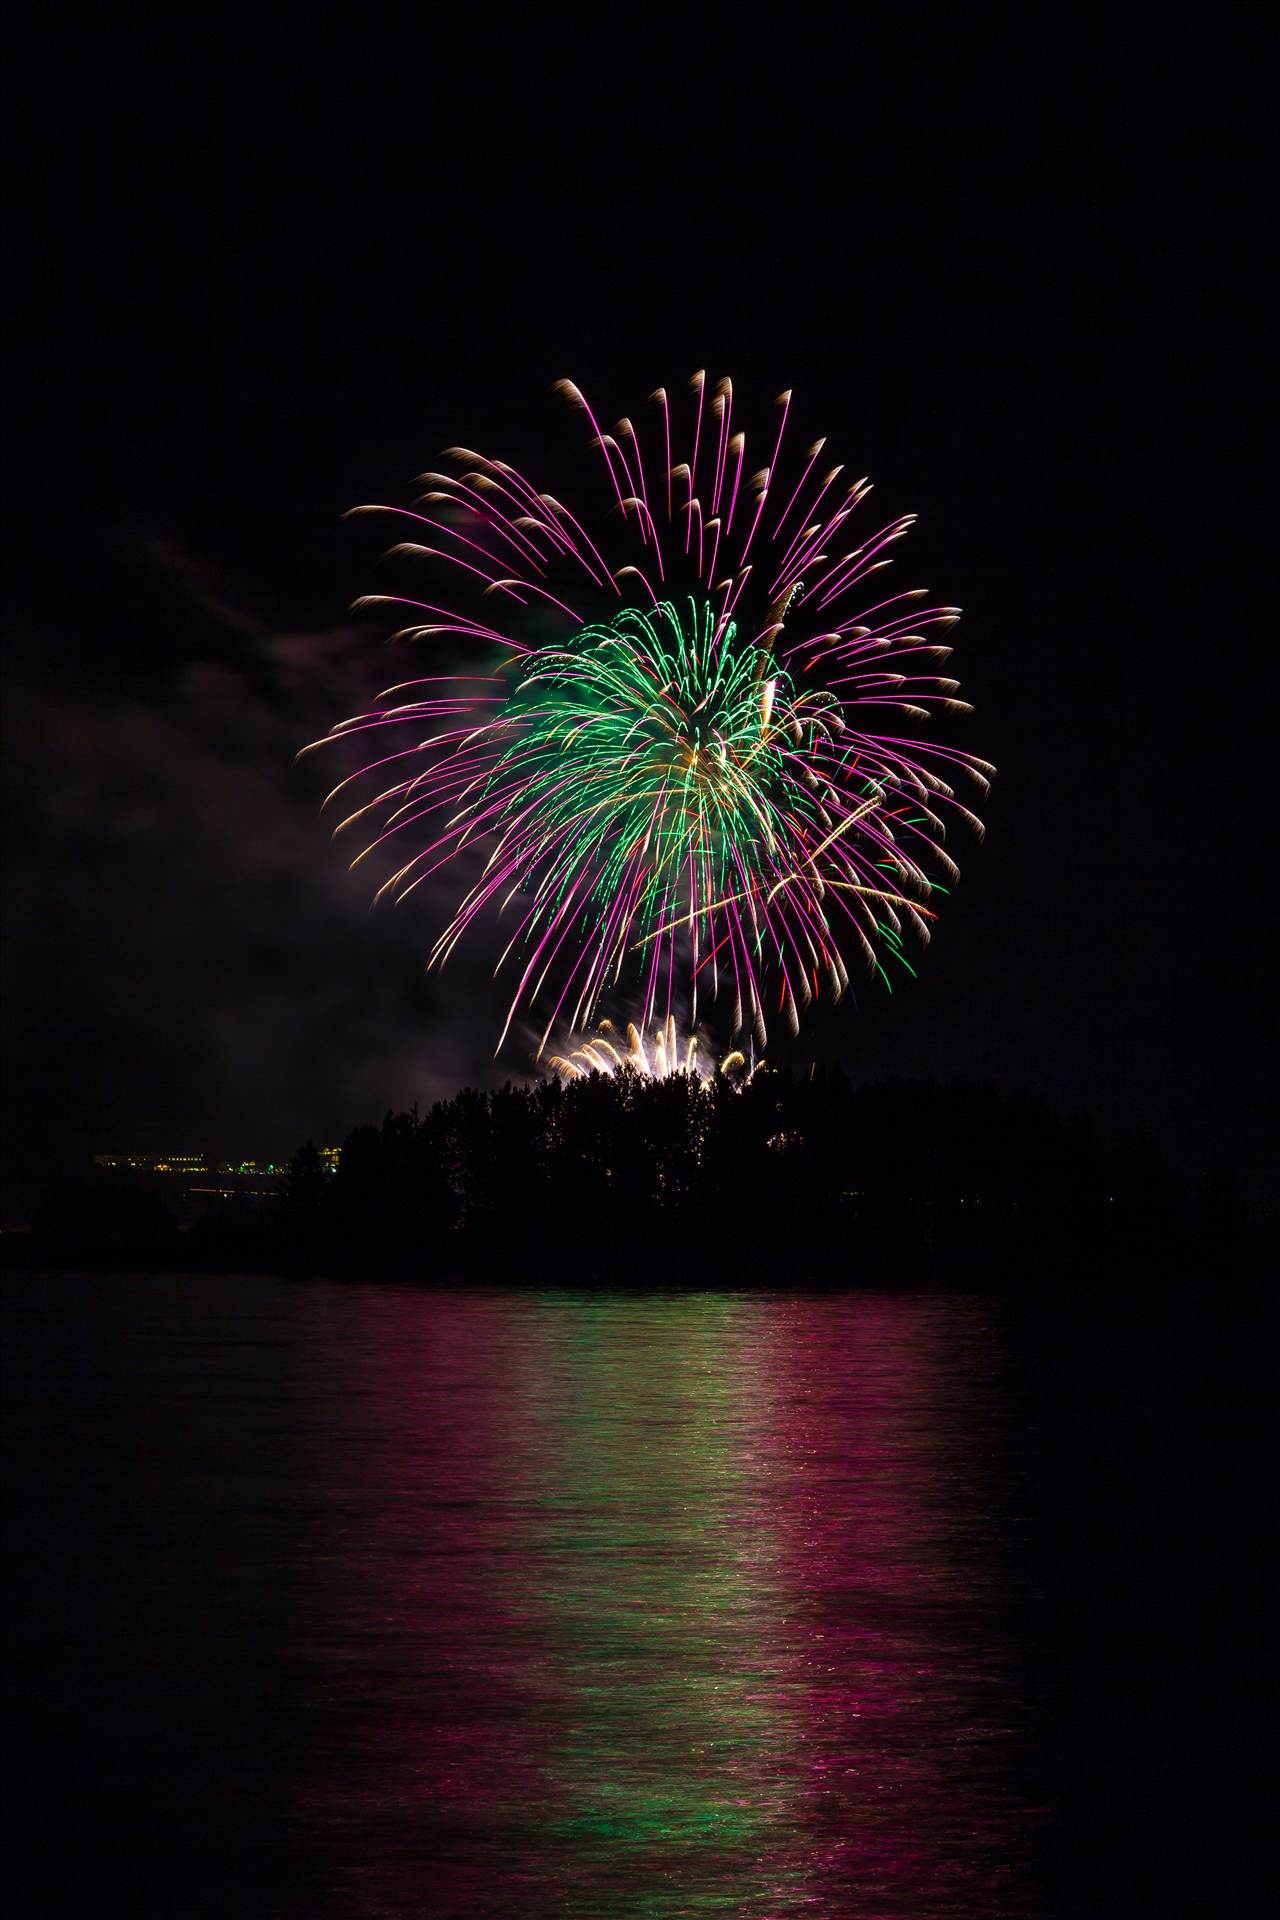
(665,1053)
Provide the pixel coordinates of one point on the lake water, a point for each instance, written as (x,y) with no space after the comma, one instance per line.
(363,1601)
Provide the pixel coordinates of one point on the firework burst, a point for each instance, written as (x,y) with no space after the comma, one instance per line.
(664,762)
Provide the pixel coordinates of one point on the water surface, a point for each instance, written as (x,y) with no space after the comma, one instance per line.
(372,1602)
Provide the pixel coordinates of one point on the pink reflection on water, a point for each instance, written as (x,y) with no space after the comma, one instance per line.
(661,1605)
(879,1493)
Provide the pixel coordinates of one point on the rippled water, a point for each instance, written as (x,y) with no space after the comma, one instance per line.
(363,1601)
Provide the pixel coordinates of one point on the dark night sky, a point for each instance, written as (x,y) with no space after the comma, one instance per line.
(258,279)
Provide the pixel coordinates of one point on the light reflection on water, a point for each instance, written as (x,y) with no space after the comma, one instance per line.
(370,1602)
(663,1605)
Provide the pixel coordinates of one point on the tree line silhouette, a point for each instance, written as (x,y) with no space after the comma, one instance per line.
(676,1181)
(812,1181)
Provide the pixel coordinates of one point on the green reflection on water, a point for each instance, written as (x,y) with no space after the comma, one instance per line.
(658,1596)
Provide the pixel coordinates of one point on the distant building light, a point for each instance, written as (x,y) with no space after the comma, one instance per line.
(178,1165)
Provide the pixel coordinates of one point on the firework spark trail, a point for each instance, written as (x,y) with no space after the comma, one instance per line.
(671,770)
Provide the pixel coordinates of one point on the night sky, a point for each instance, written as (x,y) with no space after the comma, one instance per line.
(1011,273)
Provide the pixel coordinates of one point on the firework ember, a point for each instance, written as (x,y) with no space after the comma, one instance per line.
(663,762)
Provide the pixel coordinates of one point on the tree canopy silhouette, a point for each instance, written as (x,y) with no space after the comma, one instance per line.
(679,1180)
